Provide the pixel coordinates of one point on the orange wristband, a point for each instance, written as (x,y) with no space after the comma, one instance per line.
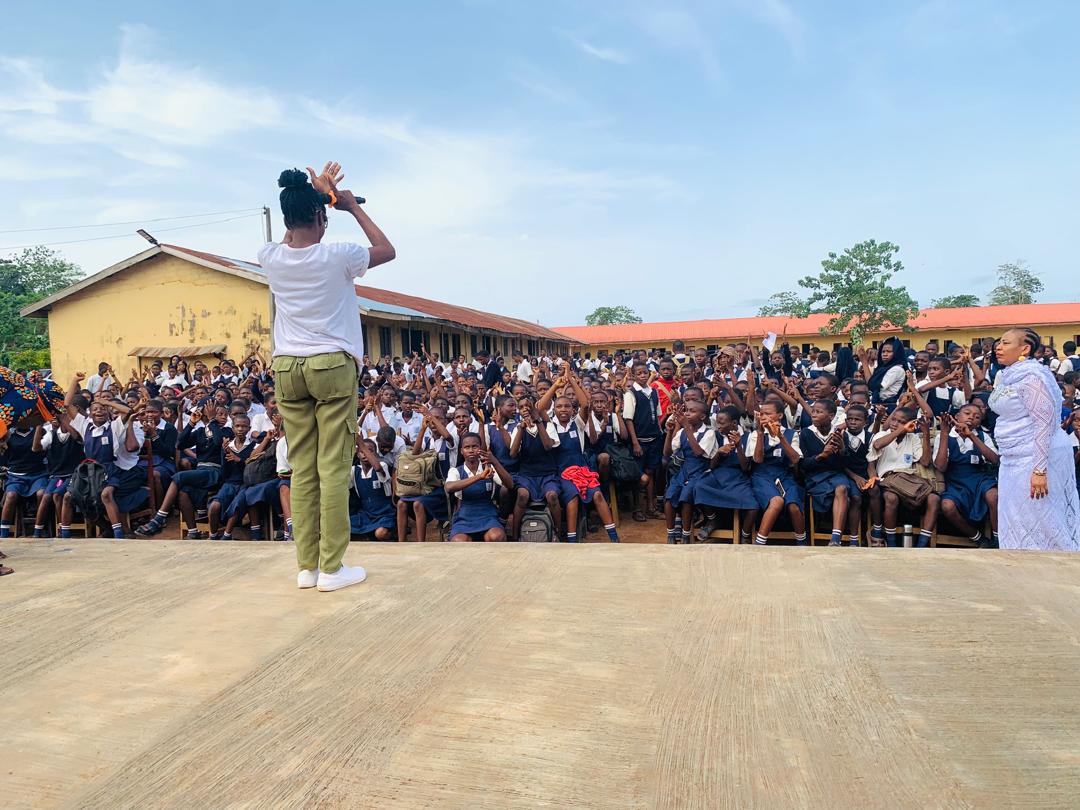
(333,197)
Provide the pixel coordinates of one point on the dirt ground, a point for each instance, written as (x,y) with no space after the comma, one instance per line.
(168,674)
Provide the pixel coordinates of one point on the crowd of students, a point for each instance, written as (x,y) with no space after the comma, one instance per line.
(897,435)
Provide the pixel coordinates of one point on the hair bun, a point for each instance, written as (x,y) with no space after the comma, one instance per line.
(292,178)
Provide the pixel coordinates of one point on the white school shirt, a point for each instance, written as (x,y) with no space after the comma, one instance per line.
(629,401)
(574,420)
(261,422)
(893,381)
(707,441)
(96,383)
(315,297)
(966,445)
(281,451)
(454,475)
(772,446)
(370,424)
(896,456)
(410,428)
(599,427)
(524,371)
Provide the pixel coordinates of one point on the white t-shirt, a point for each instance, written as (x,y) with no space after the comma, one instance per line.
(524,371)
(314,296)
(896,455)
(282,453)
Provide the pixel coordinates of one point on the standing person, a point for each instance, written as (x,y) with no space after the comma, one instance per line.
(1038,506)
(317,345)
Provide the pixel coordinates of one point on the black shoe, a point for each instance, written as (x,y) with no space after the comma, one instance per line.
(149,529)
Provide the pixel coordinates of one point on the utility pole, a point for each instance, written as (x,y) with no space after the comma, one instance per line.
(266,224)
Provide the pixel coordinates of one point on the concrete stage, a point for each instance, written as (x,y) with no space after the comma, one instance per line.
(195,675)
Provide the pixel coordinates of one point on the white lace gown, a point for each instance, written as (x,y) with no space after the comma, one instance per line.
(1029,437)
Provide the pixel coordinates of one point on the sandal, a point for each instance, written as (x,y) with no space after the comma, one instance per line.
(4,570)
(639,516)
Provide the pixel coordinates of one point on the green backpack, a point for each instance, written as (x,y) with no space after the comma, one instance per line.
(418,474)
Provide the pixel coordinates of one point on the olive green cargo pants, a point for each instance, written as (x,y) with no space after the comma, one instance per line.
(317,399)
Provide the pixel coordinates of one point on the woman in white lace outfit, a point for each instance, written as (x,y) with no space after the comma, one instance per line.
(1038,506)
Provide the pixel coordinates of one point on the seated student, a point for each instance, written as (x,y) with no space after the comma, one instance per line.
(858,436)
(433,436)
(275,490)
(605,428)
(409,418)
(775,453)
(114,443)
(380,413)
(640,411)
(388,446)
(475,483)
(894,452)
(938,389)
(496,440)
(726,484)
(688,437)
(823,468)
(533,443)
(372,513)
(579,483)
(237,451)
(162,451)
(27,472)
(63,450)
(191,488)
(462,422)
(964,453)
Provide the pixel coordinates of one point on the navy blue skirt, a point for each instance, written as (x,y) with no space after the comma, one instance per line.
(724,488)
(763,482)
(366,521)
(538,486)
(26,486)
(198,483)
(434,503)
(475,518)
(58,484)
(968,492)
(130,490)
(822,489)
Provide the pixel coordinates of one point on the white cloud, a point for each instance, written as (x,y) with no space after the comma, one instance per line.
(603,54)
(28,90)
(360,126)
(782,17)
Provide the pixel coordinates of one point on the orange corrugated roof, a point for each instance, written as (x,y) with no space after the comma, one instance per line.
(739,328)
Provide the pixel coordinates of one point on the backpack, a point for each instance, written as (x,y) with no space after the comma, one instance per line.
(537,527)
(418,474)
(624,467)
(85,488)
(262,469)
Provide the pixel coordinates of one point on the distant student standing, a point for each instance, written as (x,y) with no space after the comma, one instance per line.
(641,405)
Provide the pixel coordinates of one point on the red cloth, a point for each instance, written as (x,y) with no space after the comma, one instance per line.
(663,394)
(581,477)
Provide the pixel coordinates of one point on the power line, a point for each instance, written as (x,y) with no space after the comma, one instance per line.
(129,222)
(125,235)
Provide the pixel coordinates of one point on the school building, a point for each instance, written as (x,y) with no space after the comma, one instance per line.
(173,300)
(1056,323)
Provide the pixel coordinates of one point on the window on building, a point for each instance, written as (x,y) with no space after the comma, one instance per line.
(472,344)
(444,345)
(532,347)
(487,342)
(386,341)
(506,347)
(364,337)
(406,340)
(455,345)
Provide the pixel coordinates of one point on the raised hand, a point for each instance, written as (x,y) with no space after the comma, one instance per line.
(327,180)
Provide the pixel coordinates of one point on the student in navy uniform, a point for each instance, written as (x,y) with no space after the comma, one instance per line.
(163,437)
(475,483)
(823,468)
(27,472)
(433,436)
(372,514)
(857,437)
(206,434)
(579,483)
(605,428)
(63,450)
(640,411)
(496,439)
(938,390)
(533,444)
(775,453)
(726,485)
(965,454)
(695,442)
(237,450)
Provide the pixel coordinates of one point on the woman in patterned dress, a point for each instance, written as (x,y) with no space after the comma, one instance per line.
(1038,507)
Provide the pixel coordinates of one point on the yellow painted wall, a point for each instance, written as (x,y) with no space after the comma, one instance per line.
(167,301)
(1058,332)
(163,301)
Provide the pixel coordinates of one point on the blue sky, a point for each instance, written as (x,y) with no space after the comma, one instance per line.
(541,159)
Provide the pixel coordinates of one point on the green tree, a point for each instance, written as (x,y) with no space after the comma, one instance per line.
(1016,285)
(854,287)
(25,278)
(602,316)
(955,301)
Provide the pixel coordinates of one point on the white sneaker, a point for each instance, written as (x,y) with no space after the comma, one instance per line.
(342,578)
(307,579)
